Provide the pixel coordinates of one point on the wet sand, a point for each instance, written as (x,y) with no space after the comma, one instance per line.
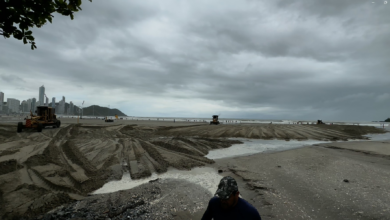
(344,180)
(41,171)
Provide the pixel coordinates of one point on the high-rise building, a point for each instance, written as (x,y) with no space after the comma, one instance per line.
(5,108)
(28,105)
(24,106)
(71,108)
(13,105)
(41,95)
(33,105)
(47,101)
(53,102)
(21,105)
(61,106)
(1,100)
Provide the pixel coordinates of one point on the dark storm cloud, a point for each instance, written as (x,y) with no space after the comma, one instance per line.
(278,59)
(11,79)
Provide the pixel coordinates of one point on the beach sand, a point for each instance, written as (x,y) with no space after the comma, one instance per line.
(42,171)
(328,181)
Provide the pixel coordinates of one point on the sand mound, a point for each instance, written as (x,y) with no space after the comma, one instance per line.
(273,131)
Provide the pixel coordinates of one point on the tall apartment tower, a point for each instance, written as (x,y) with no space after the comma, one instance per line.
(1,100)
(42,95)
(71,109)
(53,102)
(24,106)
(61,106)
(47,101)
(13,105)
(29,105)
(33,105)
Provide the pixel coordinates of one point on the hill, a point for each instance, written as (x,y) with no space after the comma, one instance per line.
(101,111)
(387,120)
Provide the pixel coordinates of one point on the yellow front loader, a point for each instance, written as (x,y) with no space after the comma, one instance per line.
(45,117)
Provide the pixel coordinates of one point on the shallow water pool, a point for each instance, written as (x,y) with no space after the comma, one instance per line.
(206,177)
(254,146)
(379,137)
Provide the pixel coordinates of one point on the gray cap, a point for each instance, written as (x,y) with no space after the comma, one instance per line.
(226,187)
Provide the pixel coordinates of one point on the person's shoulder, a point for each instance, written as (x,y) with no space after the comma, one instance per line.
(214,200)
(248,207)
(245,203)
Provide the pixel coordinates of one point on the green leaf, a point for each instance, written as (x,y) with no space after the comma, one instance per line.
(17,18)
(18,35)
(33,46)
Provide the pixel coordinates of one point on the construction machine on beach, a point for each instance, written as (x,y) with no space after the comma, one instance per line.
(108,120)
(215,120)
(45,117)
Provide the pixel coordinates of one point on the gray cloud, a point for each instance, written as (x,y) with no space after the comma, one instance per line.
(292,60)
(11,79)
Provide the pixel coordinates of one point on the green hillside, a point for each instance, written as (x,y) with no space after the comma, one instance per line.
(387,120)
(95,110)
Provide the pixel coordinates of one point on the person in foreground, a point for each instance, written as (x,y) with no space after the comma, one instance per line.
(228,205)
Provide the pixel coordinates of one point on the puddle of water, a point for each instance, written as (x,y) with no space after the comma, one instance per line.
(379,137)
(254,146)
(206,177)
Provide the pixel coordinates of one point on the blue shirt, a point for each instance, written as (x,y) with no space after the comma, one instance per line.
(242,210)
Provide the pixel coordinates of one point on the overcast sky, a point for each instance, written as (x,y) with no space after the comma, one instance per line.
(304,59)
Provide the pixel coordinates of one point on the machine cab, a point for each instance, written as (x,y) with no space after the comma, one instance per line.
(47,113)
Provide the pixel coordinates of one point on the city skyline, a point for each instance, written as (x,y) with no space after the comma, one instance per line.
(14,105)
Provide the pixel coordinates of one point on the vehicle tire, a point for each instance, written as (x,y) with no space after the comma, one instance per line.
(20,127)
(58,123)
(39,127)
